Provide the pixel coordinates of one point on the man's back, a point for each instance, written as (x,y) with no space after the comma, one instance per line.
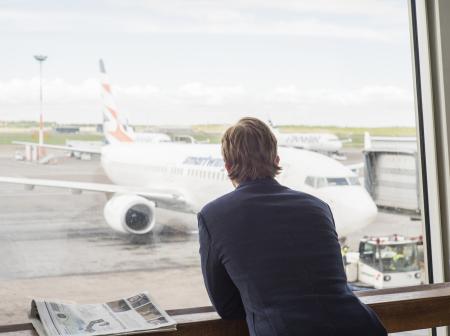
(271,255)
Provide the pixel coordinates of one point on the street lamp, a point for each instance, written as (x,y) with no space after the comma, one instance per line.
(40,59)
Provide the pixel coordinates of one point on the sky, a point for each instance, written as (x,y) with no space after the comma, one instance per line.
(181,62)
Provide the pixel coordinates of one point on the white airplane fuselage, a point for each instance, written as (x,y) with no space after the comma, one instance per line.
(196,171)
(324,143)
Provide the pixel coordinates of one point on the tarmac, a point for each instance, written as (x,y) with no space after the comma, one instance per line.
(55,244)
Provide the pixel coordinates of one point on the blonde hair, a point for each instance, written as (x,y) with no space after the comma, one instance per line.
(249,149)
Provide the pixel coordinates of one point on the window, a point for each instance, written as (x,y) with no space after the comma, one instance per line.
(336,81)
(367,253)
(321,182)
(310,181)
(353,180)
(337,181)
(391,257)
(399,258)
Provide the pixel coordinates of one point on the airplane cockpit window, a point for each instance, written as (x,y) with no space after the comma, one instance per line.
(337,181)
(310,181)
(322,182)
(353,180)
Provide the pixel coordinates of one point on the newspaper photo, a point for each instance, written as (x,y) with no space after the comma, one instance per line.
(136,314)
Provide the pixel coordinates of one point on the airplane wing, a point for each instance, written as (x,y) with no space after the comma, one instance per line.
(304,147)
(90,150)
(166,198)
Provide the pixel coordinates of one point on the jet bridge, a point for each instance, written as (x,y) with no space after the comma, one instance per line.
(391,173)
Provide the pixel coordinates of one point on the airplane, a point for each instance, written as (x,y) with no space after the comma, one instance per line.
(153,137)
(185,176)
(325,143)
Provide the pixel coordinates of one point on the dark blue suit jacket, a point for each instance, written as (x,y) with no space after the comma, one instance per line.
(271,255)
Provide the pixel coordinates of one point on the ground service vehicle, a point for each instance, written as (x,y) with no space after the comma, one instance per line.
(385,262)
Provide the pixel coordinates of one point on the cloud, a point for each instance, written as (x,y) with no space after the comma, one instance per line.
(369,19)
(367,105)
(199,87)
(138,91)
(348,19)
(350,97)
(81,102)
(201,102)
(211,95)
(26,91)
(235,8)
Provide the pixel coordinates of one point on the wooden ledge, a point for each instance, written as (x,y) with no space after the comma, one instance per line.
(410,308)
(400,309)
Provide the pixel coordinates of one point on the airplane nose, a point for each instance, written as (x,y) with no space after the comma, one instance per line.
(352,210)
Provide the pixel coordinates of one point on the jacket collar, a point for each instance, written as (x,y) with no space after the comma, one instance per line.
(261,181)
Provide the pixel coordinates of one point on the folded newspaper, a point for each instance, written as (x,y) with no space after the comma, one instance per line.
(136,314)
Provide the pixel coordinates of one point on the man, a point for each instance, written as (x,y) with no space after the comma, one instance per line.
(270,254)
(398,260)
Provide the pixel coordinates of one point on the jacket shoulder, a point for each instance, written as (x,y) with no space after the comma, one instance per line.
(219,203)
(310,199)
(315,200)
(232,200)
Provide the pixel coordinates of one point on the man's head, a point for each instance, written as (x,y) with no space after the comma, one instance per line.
(249,150)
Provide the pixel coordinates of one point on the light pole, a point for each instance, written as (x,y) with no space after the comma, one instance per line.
(40,59)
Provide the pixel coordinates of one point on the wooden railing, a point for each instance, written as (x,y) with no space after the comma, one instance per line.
(400,309)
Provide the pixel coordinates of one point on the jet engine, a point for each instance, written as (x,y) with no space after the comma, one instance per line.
(130,214)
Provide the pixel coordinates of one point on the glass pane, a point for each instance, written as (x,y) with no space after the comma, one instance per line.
(337,181)
(333,79)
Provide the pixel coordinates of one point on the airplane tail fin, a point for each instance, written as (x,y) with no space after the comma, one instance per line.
(114,129)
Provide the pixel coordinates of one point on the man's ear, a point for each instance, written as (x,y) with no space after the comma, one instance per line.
(277,160)
(228,167)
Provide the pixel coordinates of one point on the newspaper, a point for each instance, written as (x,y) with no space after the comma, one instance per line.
(136,314)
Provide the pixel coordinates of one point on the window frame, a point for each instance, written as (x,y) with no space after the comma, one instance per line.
(429,20)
